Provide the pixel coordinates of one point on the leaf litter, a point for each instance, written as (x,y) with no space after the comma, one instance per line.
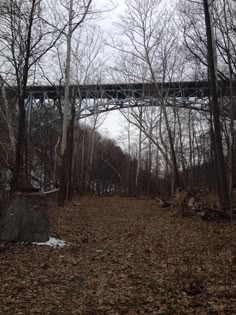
(126,256)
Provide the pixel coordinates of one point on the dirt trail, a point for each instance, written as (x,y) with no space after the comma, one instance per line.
(126,256)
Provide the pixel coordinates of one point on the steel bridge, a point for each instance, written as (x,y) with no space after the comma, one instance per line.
(100,98)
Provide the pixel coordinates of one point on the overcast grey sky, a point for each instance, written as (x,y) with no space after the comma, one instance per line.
(112,126)
(114,8)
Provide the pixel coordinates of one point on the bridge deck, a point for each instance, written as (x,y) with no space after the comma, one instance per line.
(184,89)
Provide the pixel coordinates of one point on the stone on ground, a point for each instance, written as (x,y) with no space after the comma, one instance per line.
(26,219)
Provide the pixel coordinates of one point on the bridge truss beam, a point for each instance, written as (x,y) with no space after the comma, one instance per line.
(97,99)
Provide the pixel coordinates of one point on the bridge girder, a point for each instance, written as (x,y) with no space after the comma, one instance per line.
(102,98)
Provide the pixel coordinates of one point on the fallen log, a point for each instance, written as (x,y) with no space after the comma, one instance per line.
(49,192)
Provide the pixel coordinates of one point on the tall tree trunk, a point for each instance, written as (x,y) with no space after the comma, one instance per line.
(70,152)
(223,190)
(21,172)
(176,178)
(64,155)
(137,190)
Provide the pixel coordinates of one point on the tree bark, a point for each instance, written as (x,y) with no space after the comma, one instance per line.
(63,170)
(223,190)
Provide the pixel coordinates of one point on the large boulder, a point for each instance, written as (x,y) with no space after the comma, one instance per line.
(26,219)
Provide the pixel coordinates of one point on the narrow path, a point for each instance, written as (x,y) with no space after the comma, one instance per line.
(126,256)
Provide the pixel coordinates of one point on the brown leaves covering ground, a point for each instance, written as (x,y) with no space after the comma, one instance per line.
(126,256)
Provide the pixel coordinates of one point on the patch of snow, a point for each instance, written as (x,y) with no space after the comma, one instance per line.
(53,242)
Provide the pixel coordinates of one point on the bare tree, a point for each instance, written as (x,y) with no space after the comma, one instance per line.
(75,19)
(221,170)
(25,39)
(151,42)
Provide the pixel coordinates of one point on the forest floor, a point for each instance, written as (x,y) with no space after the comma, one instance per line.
(125,256)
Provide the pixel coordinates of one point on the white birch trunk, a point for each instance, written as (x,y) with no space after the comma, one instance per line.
(67,81)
